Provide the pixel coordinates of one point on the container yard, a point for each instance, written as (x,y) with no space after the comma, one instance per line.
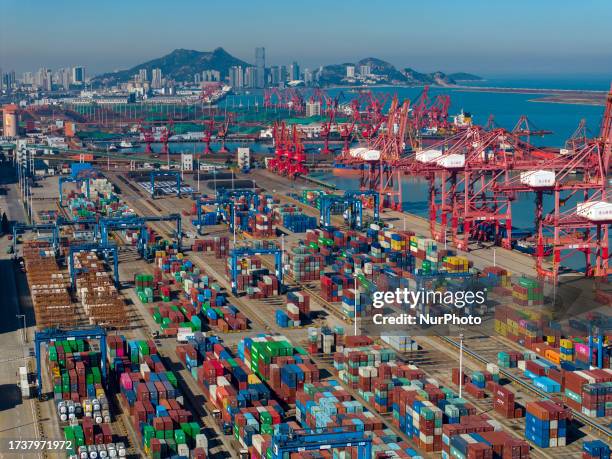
(170,316)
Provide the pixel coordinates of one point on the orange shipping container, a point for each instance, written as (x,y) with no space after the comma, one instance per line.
(553,356)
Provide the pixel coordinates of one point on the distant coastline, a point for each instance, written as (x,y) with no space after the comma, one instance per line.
(551,96)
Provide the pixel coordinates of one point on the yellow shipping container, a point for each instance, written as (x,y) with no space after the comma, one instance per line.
(253,379)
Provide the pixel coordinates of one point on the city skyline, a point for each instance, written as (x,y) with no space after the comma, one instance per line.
(450,38)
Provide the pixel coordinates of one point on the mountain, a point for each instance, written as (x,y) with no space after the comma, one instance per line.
(179,65)
(382,72)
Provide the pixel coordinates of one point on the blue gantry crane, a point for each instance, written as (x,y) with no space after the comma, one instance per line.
(175,174)
(219,203)
(352,204)
(250,251)
(55,334)
(373,193)
(76,180)
(19,228)
(224,198)
(104,248)
(286,441)
(139,223)
(55,228)
(251,195)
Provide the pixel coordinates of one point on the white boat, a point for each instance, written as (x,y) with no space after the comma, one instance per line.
(126,144)
(112,147)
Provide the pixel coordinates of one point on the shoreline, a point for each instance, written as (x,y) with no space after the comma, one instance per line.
(587,97)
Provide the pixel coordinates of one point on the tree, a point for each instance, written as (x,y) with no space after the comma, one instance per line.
(5,223)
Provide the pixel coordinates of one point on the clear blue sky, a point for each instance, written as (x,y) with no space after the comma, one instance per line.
(490,37)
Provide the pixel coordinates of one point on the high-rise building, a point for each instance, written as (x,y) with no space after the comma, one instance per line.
(284,74)
(65,77)
(78,75)
(211,75)
(307,77)
(275,75)
(313,108)
(236,77)
(350,71)
(27,78)
(260,64)
(197,78)
(142,75)
(295,71)
(156,79)
(365,70)
(250,77)
(44,79)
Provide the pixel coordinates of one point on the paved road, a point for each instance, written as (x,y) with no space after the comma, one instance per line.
(17,418)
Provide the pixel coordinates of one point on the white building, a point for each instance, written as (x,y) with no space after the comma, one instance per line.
(187,161)
(313,109)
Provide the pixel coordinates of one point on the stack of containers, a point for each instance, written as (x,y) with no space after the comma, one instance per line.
(333,286)
(327,405)
(301,301)
(298,222)
(566,350)
(595,449)
(75,371)
(528,292)
(283,367)
(214,245)
(589,392)
(355,302)
(503,401)
(456,264)
(497,278)
(151,394)
(508,359)
(243,400)
(401,343)
(482,442)
(546,424)
(303,265)
(261,224)
(423,419)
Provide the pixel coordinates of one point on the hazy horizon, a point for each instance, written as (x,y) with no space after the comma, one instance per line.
(476,36)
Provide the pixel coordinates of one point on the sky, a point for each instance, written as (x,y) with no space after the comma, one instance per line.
(487,37)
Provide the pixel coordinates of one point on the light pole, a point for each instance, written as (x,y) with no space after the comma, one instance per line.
(460,364)
(198,174)
(234,225)
(24,335)
(355,301)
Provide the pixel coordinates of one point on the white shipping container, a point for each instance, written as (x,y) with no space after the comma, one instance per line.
(371,155)
(452,161)
(358,152)
(201,442)
(428,156)
(595,210)
(538,178)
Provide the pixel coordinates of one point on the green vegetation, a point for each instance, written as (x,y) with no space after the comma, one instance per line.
(179,65)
